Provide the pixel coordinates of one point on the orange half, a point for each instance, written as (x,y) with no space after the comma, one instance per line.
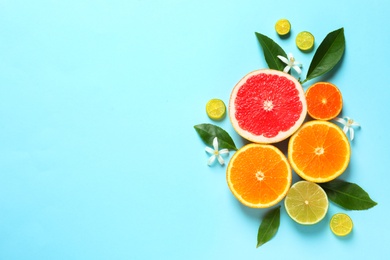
(324,101)
(319,151)
(259,175)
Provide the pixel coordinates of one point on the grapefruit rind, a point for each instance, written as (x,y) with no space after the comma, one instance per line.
(238,196)
(301,172)
(282,135)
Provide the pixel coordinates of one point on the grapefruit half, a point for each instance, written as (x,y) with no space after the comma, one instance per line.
(267,106)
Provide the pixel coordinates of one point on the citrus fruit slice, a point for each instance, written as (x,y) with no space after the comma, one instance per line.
(282,27)
(324,101)
(267,106)
(215,109)
(304,41)
(341,224)
(319,151)
(259,175)
(306,203)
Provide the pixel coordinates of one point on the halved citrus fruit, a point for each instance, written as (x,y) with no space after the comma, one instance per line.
(259,175)
(305,41)
(319,151)
(306,203)
(267,106)
(216,109)
(324,101)
(282,27)
(341,224)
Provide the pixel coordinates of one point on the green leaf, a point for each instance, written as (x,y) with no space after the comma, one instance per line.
(207,132)
(271,51)
(348,195)
(327,55)
(269,226)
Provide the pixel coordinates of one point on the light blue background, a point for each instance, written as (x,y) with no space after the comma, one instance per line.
(98,99)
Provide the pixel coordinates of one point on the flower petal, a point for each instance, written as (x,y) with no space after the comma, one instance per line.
(345,129)
(283,59)
(351,133)
(224,151)
(297,63)
(355,123)
(340,120)
(286,69)
(297,69)
(211,160)
(215,143)
(220,160)
(209,150)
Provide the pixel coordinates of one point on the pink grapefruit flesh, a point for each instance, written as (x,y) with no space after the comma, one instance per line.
(267,106)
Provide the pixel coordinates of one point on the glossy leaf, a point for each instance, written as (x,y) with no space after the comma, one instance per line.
(269,226)
(348,195)
(327,55)
(271,51)
(207,132)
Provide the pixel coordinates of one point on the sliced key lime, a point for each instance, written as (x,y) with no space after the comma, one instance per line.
(341,224)
(283,27)
(306,203)
(216,109)
(305,41)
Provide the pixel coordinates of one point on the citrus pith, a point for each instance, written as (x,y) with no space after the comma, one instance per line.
(319,151)
(267,106)
(324,101)
(259,175)
(306,203)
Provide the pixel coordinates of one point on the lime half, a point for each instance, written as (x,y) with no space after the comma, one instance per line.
(283,27)
(216,109)
(306,203)
(305,41)
(341,224)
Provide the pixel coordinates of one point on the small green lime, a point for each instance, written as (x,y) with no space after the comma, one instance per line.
(283,27)
(216,109)
(304,41)
(341,224)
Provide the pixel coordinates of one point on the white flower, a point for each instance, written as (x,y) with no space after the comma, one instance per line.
(291,63)
(348,123)
(215,153)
